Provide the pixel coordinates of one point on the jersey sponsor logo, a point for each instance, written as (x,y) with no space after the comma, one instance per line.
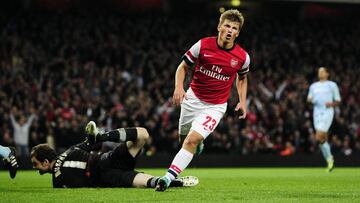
(214,73)
(216,69)
(233,63)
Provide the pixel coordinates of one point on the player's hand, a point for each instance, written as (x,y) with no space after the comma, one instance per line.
(329,104)
(241,108)
(179,95)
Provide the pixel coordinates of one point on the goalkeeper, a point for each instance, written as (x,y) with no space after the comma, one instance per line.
(80,166)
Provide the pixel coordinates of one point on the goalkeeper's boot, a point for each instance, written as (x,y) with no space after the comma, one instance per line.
(186,181)
(11,163)
(163,184)
(92,132)
(330,164)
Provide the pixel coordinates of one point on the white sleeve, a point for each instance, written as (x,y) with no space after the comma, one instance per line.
(310,94)
(13,121)
(30,120)
(245,67)
(280,90)
(336,92)
(193,53)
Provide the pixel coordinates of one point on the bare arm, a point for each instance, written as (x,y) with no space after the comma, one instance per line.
(179,92)
(310,95)
(309,100)
(241,86)
(333,104)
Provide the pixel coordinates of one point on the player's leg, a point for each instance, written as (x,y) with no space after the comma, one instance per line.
(199,147)
(119,135)
(190,109)
(181,160)
(322,124)
(204,124)
(124,156)
(123,178)
(9,157)
(321,137)
(145,180)
(149,181)
(142,136)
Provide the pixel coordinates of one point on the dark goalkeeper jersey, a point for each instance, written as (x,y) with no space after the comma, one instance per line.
(71,169)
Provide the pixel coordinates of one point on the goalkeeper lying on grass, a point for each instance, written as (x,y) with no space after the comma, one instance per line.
(80,166)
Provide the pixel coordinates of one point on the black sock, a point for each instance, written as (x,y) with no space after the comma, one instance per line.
(152,182)
(118,135)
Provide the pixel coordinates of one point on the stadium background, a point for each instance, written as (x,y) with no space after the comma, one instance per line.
(114,62)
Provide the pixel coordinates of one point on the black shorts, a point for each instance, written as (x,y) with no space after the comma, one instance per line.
(115,168)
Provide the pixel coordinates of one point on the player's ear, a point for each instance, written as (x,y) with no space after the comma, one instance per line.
(238,31)
(46,162)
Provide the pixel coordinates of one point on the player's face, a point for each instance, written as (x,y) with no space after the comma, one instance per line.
(228,31)
(323,74)
(42,167)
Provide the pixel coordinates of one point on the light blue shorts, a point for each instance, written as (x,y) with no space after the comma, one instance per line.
(323,119)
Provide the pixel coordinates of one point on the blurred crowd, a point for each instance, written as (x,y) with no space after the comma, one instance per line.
(60,70)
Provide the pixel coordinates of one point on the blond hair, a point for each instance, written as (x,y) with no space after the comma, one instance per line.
(232,15)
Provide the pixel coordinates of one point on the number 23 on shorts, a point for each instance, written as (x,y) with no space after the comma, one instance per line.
(209,123)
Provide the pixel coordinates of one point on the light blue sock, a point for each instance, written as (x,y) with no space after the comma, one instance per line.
(325,149)
(4,151)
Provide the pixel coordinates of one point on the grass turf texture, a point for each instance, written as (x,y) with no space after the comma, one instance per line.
(216,185)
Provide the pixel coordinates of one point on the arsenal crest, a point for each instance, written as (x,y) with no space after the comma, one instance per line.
(233,63)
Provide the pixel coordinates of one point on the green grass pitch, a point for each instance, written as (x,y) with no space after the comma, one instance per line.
(216,185)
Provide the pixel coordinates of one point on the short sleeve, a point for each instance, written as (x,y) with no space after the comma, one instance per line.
(245,67)
(192,54)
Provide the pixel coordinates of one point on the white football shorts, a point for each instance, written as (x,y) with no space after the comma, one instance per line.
(199,116)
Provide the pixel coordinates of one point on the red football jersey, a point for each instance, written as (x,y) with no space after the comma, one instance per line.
(215,69)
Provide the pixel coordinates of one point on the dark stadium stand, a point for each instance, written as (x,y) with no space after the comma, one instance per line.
(118,69)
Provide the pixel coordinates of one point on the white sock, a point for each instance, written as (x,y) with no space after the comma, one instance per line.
(326,151)
(180,162)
